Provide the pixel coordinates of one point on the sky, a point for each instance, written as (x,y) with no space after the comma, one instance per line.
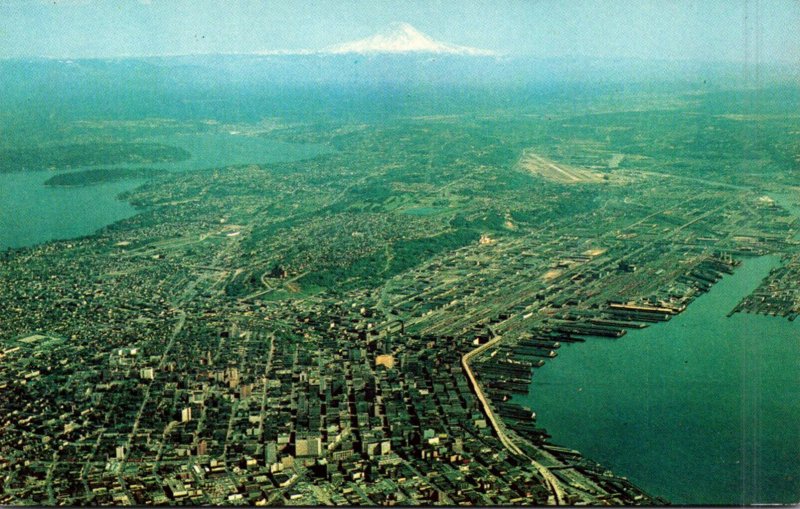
(763,31)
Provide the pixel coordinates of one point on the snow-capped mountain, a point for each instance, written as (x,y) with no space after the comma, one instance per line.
(396,39)
(403,38)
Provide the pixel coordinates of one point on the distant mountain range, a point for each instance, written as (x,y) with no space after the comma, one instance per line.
(366,63)
(399,55)
(382,69)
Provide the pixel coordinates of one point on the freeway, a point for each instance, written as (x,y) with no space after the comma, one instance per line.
(499,426)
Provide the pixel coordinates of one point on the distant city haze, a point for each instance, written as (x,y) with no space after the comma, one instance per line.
(754,32)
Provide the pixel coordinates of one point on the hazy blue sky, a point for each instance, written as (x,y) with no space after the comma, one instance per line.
(734,30)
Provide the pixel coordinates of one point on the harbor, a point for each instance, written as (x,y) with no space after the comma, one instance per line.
(698,402)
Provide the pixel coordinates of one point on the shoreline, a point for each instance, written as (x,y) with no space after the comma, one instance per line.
(604,346)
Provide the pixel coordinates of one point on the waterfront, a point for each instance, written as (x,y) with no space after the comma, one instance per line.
(32,213)
(703,409)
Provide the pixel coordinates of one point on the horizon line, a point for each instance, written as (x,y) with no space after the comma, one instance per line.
(374,54)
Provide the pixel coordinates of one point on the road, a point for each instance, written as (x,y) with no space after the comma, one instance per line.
(499,427)
(145,398)
(263,407)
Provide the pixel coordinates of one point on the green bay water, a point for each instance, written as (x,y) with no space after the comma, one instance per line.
(703,409)
(32,213)
(219,149)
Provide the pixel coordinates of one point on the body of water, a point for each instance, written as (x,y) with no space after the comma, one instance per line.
(702,409)
(215,150)
(32,213)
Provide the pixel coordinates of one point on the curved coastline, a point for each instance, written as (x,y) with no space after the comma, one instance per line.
(659,377)
(45,212)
